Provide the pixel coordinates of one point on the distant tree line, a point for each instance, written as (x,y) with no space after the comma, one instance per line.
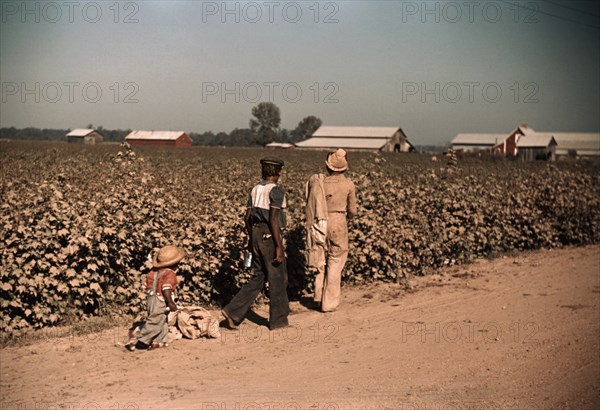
(53,134)
(264,128)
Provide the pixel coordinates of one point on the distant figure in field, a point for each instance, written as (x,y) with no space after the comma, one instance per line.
(331,200)
(265,219)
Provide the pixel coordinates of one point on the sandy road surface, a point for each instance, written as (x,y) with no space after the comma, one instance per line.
(513,333)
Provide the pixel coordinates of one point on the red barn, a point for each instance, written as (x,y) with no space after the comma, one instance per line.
(509,145)
(159,138)
(501,144)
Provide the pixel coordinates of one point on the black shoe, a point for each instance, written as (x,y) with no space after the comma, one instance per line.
(278,326)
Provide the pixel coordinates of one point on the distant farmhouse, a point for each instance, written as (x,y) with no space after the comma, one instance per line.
(279,145)
(84,136)
(537,146)
(521,142)
(505,144)
(159,138)
(388,139)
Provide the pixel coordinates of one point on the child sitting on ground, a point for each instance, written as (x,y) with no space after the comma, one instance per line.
(160,285)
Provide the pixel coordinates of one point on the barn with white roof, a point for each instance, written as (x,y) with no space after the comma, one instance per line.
(537,146)
(84,136)
(580,144)
(389,139)
(159,138)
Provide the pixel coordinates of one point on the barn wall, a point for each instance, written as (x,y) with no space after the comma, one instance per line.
(467,147)
(155,143)
(531,154)
(183,141)
(511,145)
(74,140)
(98,138)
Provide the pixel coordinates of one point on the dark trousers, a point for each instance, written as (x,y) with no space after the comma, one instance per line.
(263,253)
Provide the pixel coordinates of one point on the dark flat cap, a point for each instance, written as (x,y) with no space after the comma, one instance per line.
(272,161)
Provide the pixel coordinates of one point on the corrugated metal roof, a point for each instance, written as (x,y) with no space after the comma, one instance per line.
(338,142)
(578,145)
(80,132)
(578,140)
(355,132)
(585,143)
(535,140)
(577,136)
(479,139)
(154,135)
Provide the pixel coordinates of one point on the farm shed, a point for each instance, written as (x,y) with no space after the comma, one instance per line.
(505,144)
(84,136)
(578,144)
(159,138)
(509,145)
(476,142)
(537,146)
(388,139)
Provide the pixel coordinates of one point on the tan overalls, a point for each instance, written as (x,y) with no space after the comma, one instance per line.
(340,195)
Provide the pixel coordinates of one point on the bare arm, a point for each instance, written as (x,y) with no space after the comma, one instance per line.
(167,294)
(276,232)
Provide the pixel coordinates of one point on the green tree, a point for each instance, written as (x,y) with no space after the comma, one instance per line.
(305,128)
(265,123)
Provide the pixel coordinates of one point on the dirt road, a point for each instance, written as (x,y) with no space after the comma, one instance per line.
(512,333)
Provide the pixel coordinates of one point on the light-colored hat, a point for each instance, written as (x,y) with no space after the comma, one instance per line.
(168,256)
(337,160)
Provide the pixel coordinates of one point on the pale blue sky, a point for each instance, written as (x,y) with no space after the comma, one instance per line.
(377,63)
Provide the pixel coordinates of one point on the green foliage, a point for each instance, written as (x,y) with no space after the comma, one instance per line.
(78,222)
(265,123)
(305,128)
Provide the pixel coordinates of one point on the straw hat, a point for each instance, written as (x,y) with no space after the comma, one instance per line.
(168,256)
(337,160)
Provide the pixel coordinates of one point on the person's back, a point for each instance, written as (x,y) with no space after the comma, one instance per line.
(340,194)
(265,220)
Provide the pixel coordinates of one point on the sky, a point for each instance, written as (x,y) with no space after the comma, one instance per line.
(433,68)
